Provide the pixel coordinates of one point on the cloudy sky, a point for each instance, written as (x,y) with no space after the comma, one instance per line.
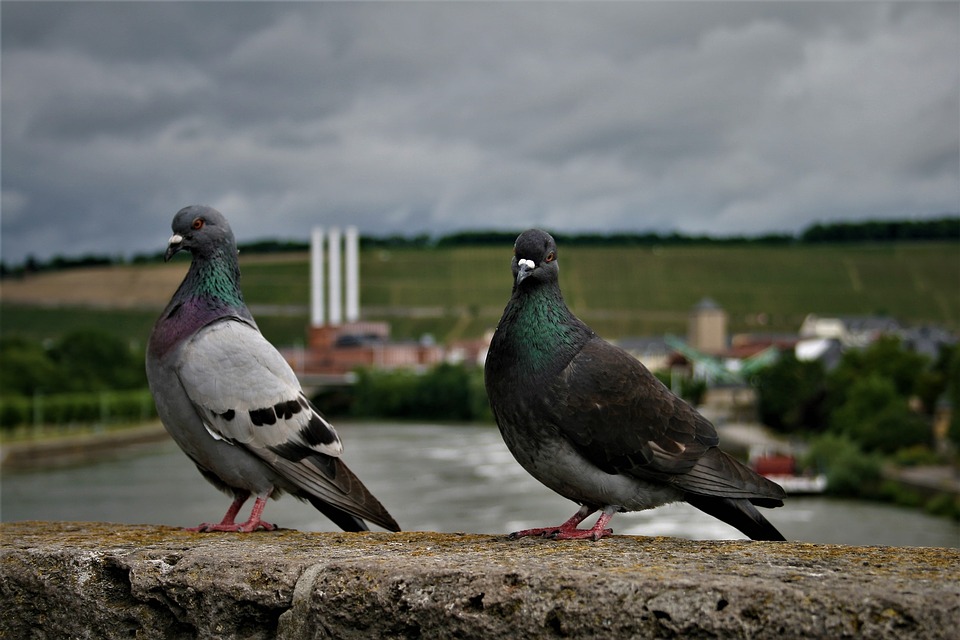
(705,117)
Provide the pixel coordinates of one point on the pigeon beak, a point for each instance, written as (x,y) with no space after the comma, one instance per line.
(174,245)
(526,268)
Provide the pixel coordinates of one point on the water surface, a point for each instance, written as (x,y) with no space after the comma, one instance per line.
(431,478)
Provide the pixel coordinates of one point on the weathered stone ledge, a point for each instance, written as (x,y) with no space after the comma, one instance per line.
(73,580)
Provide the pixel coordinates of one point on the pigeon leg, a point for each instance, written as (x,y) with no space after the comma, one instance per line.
(254,522)
(228,522)
(595,533)
(561,532)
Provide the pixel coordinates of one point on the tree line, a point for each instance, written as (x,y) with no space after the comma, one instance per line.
(946,227)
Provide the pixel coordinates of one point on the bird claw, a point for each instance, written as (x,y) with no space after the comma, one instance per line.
(232,527)
(562,533)
(582,534)
(247,527)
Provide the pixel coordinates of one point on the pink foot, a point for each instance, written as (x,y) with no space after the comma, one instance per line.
(245,527)
(568,530)
(564,533)
(229,520)
(582,534)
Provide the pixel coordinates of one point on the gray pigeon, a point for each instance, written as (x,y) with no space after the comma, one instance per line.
(589,421)
(231,401)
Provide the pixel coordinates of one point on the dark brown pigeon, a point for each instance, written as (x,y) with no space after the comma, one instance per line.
(232,402)
(589,421)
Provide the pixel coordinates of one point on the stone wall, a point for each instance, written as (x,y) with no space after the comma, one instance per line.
(75,580)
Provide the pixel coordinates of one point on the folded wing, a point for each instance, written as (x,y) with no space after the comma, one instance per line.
(246,394)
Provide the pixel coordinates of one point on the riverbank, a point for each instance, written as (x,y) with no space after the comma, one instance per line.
(57,448)
(159,582)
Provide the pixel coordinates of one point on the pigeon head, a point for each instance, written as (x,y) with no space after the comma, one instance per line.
(535,258)
(201,230)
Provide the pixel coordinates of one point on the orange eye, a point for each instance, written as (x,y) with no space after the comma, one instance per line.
(197,224)
(551,257)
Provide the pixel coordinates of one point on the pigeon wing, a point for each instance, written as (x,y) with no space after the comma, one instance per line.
(246,393)
(623,419)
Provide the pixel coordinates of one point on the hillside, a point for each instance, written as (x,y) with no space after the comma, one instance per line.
(459,292)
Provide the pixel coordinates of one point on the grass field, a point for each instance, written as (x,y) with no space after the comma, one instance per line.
(460,292)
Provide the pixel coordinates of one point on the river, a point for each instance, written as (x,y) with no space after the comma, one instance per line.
(431,478)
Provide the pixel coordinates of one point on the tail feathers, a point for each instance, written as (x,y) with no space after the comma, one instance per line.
(335,491)
(737,512)
(719,474)
(341,518)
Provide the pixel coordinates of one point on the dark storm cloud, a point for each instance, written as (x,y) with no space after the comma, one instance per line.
(409,117)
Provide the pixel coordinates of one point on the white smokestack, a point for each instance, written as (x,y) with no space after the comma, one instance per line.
(336,313)
(353,274)
(316,277)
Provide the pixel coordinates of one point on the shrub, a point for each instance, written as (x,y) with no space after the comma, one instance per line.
(915,456)
(27,368)
(878,418)
(944,504)
(445,392)
(76,408)
(15,410)
(849,470)
(792,394)
(93,360)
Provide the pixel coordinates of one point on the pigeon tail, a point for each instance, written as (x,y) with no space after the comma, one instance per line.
(344,520)
(737,512)
(325,480)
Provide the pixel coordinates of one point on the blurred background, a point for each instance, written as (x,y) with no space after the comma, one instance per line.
(760,201)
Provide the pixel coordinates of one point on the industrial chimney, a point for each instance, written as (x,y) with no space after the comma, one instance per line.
(316,277)
(334,290)
(329,308)
(352,257)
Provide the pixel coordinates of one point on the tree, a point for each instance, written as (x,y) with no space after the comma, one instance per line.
(27,368)
(849,471)
(953,397)
(885,357)
(877,417)
(93,360)
(792,394)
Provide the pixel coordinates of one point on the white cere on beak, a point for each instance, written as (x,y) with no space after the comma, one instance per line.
(175,239)
(523,262)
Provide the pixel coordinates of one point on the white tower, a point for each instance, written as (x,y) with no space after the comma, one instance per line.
(327,295)
(316,278)
(334,290)
(352,257)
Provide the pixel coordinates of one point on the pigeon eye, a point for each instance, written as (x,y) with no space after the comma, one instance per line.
(551,257)
(197,224)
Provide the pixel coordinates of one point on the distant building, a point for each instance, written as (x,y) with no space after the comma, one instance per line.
(849,331)
(707,327)
(344,348)
(927,340)
(469,351)
(653,352)
(828,351)
(825,339)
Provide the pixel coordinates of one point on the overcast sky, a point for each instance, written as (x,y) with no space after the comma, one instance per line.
(702,117)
